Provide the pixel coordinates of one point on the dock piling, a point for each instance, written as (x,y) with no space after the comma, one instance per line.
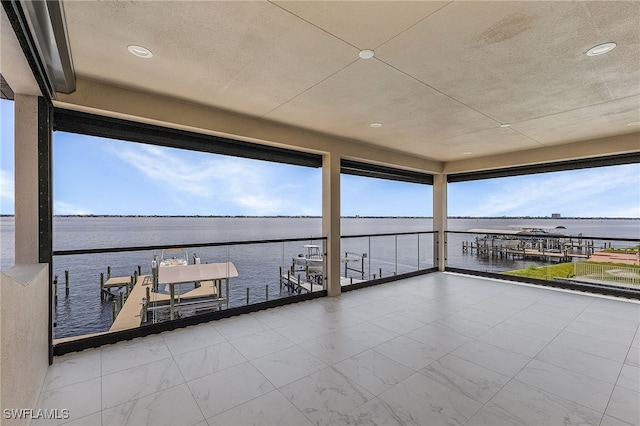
(121,300)
(247,295)
(108,272)
(101,286)
(114,310)
(280,278)
(55,287)
(266,292)
(66,283)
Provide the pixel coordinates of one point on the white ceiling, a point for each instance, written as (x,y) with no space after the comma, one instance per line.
(444,77)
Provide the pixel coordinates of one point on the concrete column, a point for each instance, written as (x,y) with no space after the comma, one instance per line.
(331,220)
(440,218)
(26,179)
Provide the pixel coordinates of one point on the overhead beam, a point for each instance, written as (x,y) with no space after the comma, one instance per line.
(601,147)
(112,101)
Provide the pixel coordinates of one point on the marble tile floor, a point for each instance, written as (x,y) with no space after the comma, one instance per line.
(440,349)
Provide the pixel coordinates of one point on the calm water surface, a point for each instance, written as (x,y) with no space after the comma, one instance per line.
(83,312)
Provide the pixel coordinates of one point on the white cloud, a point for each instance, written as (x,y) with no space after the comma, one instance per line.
(209,180)
(557,192)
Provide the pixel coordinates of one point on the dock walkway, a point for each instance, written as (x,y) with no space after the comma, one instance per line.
(297,284)
(129,315)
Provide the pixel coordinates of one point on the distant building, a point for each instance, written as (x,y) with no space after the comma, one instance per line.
(555,215)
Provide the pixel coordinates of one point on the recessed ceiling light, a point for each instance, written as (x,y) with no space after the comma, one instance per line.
(139,51)
(600,49)
(505,125)
(375,125)
(366,54)
(467,153)
(634,123)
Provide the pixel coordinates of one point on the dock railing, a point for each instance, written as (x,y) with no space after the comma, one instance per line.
(575,260)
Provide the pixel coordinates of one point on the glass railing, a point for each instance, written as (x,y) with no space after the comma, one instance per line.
(375,256)
(570,259)
(107,290)
(113,289)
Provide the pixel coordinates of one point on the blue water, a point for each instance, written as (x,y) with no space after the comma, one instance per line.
(258,265)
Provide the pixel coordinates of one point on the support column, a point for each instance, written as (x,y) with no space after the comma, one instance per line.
(440,219)
(331,220)
(26,180)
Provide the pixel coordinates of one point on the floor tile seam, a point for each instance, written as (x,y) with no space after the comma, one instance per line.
(617,418)
(577,320)
(544,391)
(275,389)
(499,349)
(164,390)
(119,370)
(464,393)
(42,391)
(573,372)
(612,392)
(433,347)
(332,363)
(199,349)
(102,408)
(610,318)
(43,385)
(503,321)
(589,353)
(288,383)
(585,374)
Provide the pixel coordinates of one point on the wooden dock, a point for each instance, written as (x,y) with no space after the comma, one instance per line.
(543,250)
(129,315)
(298,282)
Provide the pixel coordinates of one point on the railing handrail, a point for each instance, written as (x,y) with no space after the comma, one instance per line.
(388,234)
(172,246)
(218,244)
(584,237)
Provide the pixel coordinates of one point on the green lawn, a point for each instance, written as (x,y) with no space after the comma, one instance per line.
(561,270)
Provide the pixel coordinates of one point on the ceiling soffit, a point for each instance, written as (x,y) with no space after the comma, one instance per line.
(444,77)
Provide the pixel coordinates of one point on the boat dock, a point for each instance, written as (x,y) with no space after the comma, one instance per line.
(529,243)
(502,251)
(142,297)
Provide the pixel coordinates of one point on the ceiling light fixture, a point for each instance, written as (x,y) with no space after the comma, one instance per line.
(139,51)
(505,125)
(634,123)
(467,153)
(375,125)
(601,49)
(366,54)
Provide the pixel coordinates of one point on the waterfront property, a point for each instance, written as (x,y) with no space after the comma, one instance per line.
(433,93)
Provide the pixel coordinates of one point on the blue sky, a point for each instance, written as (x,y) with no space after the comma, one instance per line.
(102,176)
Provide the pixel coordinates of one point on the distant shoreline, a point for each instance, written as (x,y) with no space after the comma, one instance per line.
(343,217)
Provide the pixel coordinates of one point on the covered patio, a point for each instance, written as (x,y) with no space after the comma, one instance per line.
(437,349)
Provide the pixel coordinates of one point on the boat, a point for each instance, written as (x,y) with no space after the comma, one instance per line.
(311,261)
(173,257)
